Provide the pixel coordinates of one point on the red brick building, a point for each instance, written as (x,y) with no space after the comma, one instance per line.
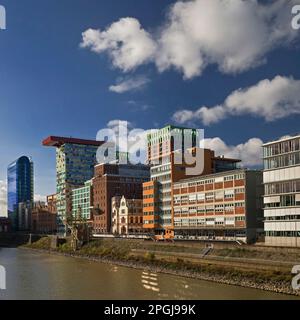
(221,206)
(43,220)
(115,180)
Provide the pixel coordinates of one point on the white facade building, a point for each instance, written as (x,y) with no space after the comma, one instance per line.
(282,192)
(127,216)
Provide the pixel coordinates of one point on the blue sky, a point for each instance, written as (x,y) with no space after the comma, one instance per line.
(49,85)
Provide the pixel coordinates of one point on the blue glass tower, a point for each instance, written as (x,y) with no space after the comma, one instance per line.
(20,188)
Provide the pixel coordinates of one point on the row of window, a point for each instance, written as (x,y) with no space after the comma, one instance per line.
(282,187)
(282,147)
(282,233)
(282,161)
(132,220)
(240,176)
(280,218)
(206,209)
(208,221)
(209,196)
(284,201)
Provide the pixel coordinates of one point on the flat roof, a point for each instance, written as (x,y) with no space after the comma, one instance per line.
(284,138)
(227,159)
(54,141)
(216,174)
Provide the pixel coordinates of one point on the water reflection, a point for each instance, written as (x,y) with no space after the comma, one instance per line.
(42,276)
(150,281)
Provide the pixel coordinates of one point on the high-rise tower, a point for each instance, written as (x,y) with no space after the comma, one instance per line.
(20,192)
(75,161)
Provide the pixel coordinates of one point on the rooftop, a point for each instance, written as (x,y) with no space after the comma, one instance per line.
(217,174)
(53,141)
(281,139)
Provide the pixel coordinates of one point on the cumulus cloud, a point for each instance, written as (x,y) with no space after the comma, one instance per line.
(39,198)
(129,84)
(249,152)
(269,99)
(126,42)
(235,35)
(3,198)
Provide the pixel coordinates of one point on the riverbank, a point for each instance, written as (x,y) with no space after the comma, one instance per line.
(129,254)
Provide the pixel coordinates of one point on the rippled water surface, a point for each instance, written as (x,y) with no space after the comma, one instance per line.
(31,275)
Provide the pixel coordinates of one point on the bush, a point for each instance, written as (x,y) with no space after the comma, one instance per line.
(66,248)
(43,243)
(149,256)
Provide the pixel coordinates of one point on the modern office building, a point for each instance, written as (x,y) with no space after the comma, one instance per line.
(127,216)
(161,145)
(75,161)
(82,201)
(20,192)
(113,179)
(282,191)
(222,206)
(165,171)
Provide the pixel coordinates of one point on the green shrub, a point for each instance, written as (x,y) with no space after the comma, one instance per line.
(149,256)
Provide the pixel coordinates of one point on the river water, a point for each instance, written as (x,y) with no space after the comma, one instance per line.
(31,275)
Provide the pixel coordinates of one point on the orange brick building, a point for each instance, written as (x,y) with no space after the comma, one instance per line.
(163,157)
(221,206)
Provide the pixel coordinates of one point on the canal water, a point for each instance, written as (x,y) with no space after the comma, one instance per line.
(31,275)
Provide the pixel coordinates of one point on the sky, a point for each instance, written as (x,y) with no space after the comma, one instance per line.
(72,67)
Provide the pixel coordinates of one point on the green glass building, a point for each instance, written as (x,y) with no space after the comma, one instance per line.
(75,161)
(82,201)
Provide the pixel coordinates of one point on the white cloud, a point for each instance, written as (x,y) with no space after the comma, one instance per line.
(116,124)
(269,99)
(249,152)
(127,139)
(139,106)
(128,45)
(39,198)
(3,198)
(129,84)
(235,35)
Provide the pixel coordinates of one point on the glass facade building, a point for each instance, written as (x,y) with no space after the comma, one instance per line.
(282,191)
(20,188)
(75,161)
(82,201)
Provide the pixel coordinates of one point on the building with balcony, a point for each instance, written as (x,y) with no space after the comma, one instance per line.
(165,147)
(282,191)
(75,161)
(127,216)
(222,206)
